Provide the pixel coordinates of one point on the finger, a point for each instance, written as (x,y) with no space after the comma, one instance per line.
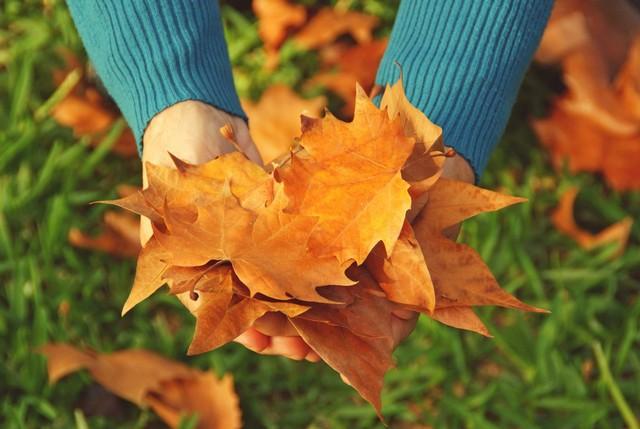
(292,347)
(254,340)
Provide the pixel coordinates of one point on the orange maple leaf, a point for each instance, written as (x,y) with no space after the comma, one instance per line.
(350,179)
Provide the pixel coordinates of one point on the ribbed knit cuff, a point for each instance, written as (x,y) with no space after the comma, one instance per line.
(463,62)
(151,54)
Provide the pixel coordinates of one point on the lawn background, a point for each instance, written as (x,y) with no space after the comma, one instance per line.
(539,371)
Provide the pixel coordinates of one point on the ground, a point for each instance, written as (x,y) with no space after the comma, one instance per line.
(548,371)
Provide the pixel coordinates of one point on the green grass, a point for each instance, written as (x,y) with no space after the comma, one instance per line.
(578,367)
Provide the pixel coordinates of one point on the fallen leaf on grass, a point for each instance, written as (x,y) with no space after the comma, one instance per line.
(563,219)
(120,235)
(275,119)
(608,26)
(595,125)
(170,388)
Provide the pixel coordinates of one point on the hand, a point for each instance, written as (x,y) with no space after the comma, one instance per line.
(190,130)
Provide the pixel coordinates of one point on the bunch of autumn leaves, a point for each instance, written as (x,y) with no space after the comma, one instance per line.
(323,242)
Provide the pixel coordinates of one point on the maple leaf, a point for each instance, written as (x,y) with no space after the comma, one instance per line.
(361,161)
(171,389)
(330,23)
(563,220)
(275,119)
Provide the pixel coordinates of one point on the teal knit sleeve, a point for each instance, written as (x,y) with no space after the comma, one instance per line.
(462,63)
(151,54)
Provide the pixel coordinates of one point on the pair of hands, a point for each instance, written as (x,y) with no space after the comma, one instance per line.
(190,130)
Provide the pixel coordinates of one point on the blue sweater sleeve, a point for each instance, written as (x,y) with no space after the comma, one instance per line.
(151,54)
(463,62)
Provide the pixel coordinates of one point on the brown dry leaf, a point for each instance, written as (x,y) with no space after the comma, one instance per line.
(403,276)
(88,113)
(361,161)
(330,23)
(563,219)
(120,236)
(275,119)
(170,388)
(84,114)
(348,66)
(275,19)
(206,396)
